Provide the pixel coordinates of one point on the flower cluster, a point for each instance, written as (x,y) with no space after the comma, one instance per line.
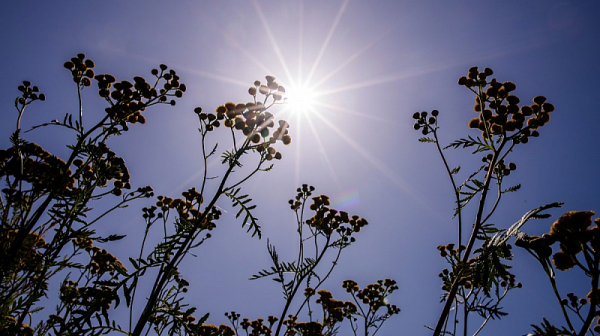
(572,230)
(94,298)
(335,310)
(327,220)
(28,255)
(211,329)
(29,162)
(475,274)
(103,261)
(303,193)
(105,166)
(8,326)
(29,93)
(375,294)
(128,101)
(81,69)
(187,208)
(252,119)
(424,123)
(256,327)
(271,88)
(499,110)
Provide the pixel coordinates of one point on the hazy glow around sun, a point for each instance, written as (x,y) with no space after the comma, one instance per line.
(300,99)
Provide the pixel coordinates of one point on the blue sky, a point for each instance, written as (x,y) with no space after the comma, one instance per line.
(376,63)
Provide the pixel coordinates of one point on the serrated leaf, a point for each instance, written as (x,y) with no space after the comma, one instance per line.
(512,189)
(242,202)
(426,139)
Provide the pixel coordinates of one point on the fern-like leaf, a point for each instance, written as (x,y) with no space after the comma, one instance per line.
(245,208)
(426,139)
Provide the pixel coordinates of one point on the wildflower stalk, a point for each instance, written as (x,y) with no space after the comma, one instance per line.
(165,272)
(467,253)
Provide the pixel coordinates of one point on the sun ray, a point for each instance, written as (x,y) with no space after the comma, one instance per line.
(378,164)
(356,113)
(213,76)
(322,150)
(272,39)
(348,61)
(327,40)
(300,41)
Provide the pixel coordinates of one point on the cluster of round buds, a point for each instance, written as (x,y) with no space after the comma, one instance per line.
(103,170)
(499,110)
(9,326)
(81,69)
(31,163)
(250,118)
(335,310)
(309,291)
(211,329)
(172,83)
(187,208)
(502,168)
(312,328)
(572,230)
(182,284)
(375,295)
(232,316)
(303,194)
(574,301)
(94,298)
(424,123)
(450,250)
(290,321)
(149,212)
(29,93)
(103,261)
(29,256)
(83,242)
(271,88)
(128,100)
(508,280)
(257,327)
(350,286)
(327,220)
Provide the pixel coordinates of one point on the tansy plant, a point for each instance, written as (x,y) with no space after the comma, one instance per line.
(478,277)
(48,228)
(48,233)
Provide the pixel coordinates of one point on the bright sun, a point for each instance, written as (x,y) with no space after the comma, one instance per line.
(300,99)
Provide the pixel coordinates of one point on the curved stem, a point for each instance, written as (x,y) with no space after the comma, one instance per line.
(456,191)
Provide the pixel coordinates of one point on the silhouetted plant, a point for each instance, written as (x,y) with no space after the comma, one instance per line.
(479,277)
(48,226)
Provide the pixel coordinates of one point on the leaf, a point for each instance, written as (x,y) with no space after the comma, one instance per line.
(243,201)
(512,189)
(455,170)
(112,237)
(426,139)
(203,319)
(470,142)
(132,261)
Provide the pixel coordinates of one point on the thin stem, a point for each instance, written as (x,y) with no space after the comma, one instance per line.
(456,191)
(471,243)
(297,286)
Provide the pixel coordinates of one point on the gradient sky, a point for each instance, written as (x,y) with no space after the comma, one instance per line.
(375,64)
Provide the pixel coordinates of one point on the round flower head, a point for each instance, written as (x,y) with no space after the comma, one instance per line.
(563,261)
(474,123)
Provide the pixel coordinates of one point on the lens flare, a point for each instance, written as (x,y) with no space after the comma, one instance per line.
(301,99)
